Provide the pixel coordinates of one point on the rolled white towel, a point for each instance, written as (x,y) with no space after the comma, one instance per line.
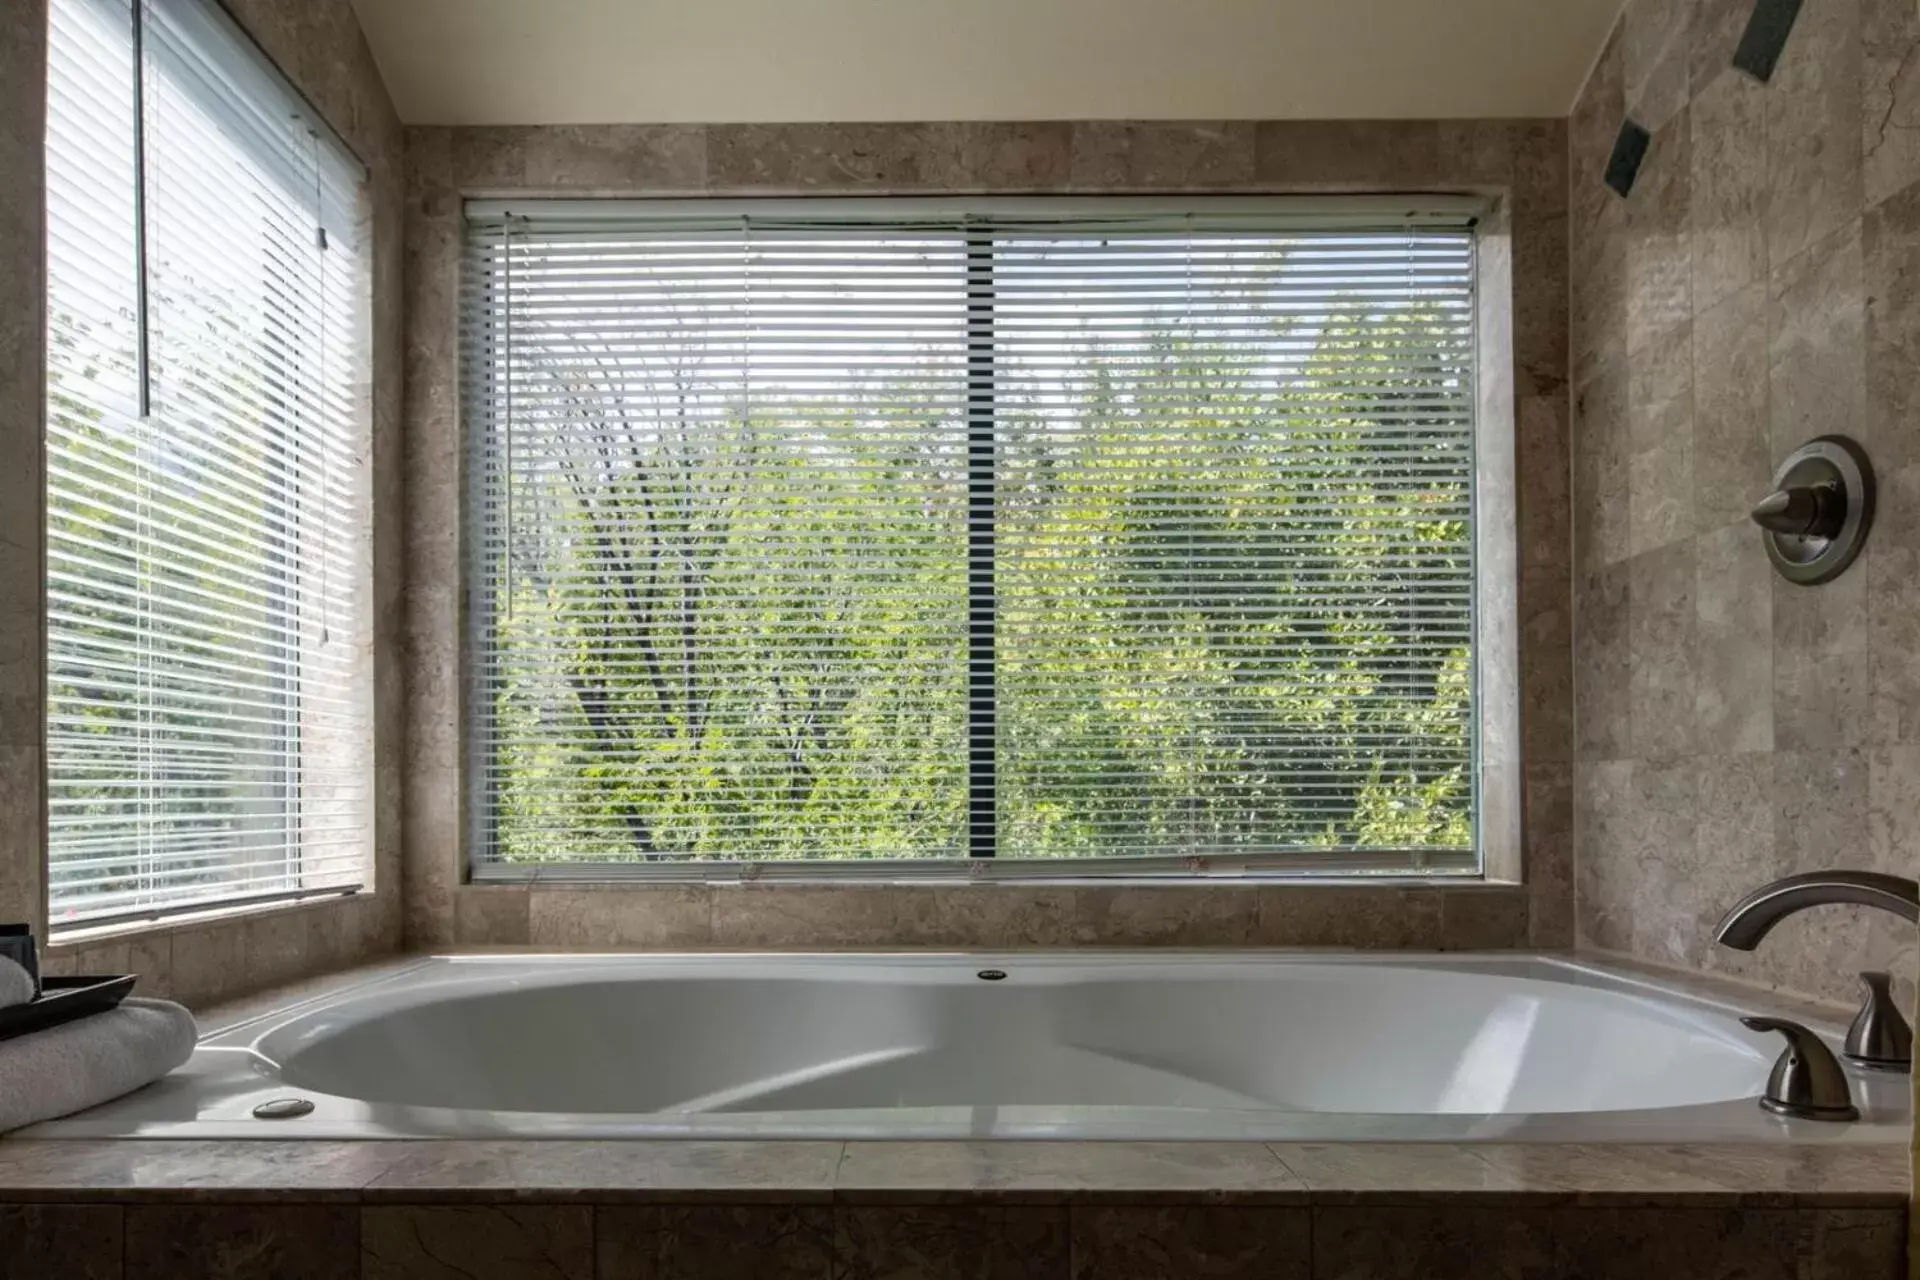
(16,984)
(48,1074)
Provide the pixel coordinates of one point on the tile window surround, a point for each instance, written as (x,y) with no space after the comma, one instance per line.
(1520,162)
(1760,287)
(319,46)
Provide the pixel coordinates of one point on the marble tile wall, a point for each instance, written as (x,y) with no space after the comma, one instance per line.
(318,44)
(1758,288)
(1521,161)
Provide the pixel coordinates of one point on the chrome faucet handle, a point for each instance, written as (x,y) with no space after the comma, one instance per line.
(1807,1082)
(1880,1037)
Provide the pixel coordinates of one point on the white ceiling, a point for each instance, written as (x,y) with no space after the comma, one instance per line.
(769,61)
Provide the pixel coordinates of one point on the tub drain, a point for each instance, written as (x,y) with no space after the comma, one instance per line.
(283,1109)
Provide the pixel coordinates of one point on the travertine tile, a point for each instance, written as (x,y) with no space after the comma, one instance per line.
(1597,1172)
(1893,815)
(1853,1244)
(659,917)
(1892,568)
(1659,248)
(1486,919)
(706,1242)
(616,159)
(1528,157)
(1710,1244)
(1814,131)
(1546,664)
(1602,484)
(1820,806)
(488,159)
(1822,671)
(1341,916)
(1729,194)
(210,963)
(1591,130)
(1890,97)
(1347,154)
(1890,264)
(477,1242)
(810,157)
(1602,800)
(1230,1243)
(1655,52)
(1055,1172)
(275,947)
(1733,674)
(1542,461)
(986,916)
(1116,155)
(1817,359)
(187,1170)
(1734,848)
(242,1242)
(812,916)
(1540,307)
(70,1242)
(1549,854)
(1717,27)
(1660,467)
(873,1242)
(1658,854)
(1662,648)
(1455,1242)
(1008,156)
(712,1172)
(1732,439)
(1603,664)
(1175,915)
(1379,1171)
(21,864)
(493,915)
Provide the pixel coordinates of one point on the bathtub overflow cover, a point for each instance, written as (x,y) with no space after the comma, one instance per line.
(283,1109)
(992,975)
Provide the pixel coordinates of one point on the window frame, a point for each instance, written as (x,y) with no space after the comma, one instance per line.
(1474,213)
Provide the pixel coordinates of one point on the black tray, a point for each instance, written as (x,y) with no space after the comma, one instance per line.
(64,1000)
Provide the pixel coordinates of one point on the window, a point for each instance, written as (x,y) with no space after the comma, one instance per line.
(207,727)
(812,533)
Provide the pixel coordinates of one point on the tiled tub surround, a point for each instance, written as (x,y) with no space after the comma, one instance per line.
(1757,289)
(1522,164)
(1280,1046)
(1011,1211)
(318,45)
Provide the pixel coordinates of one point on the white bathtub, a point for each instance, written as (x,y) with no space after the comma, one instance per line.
(1085,1045)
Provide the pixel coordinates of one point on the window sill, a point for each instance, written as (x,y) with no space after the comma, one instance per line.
(83,936)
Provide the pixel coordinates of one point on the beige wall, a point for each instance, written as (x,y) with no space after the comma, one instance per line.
(319,46)
(1760,287)
(1521,161)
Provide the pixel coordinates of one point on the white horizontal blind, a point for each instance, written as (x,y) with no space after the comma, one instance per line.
(205,438)
(897,533)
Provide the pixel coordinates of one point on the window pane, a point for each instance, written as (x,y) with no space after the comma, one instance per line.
(206,724)
(722,578)
(720,550)
(1235,568)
